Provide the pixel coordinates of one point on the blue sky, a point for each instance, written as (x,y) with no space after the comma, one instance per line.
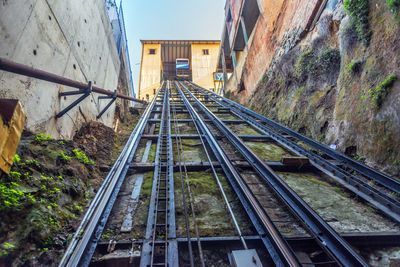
(170,19)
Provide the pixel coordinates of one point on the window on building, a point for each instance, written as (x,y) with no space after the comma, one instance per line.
(152,51)
(205,52)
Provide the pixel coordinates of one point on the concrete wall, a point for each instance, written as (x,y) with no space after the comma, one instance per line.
(69,38)
(150,70)
(203,66)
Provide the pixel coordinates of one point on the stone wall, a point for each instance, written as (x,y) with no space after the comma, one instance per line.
(68,38)
(323,86)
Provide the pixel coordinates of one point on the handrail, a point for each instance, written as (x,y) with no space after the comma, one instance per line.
(14,67)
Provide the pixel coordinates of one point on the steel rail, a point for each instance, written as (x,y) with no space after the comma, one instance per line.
(338,247)
(189,243)
(276,245)
(81,248)
(162,192)
(17,68)
(381,201)
(381,178)
(190,195)
(221,189)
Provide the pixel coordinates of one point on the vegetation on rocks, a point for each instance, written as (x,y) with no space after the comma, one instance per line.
(47,190)
(394,6)
(310,63)
(354,66)
(379,93)
(346,104)
(359,12)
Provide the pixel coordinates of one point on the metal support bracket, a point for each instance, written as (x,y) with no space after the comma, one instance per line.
(84,93)
(113,98)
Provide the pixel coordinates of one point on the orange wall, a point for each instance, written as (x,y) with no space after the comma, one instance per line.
(279,16)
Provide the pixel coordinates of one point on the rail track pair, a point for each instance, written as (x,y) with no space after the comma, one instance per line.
(161,243)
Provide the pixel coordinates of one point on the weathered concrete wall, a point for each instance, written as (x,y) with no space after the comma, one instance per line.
(203,66)
(69,38)
(150,70)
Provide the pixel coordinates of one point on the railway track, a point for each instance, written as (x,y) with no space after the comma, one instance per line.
(342,170)
(255,198)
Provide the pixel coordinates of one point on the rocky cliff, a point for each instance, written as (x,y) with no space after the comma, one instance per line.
(339,84)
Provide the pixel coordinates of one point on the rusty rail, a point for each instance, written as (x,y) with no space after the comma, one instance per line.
(11,66)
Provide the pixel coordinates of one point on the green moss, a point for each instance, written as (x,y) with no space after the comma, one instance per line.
(65,158)
(267,151)
(14,176)
(42,137)
(152,153)
(81,157)
(304,64)
(394,6)
(17,158)
(33,163)
(192,150)
(6,248)
(359,12)
(202,183)
(308,63)
(354,66)
(11,196)
(328,58)
(378,95)
(244,129)
(147,184)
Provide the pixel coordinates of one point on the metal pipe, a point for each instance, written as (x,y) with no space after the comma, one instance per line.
(11,66)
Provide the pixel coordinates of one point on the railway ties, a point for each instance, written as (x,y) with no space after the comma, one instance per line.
(369,184)
(160,247)
(249,188)
(335,247)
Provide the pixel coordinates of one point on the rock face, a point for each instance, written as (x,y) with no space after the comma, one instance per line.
(339,90)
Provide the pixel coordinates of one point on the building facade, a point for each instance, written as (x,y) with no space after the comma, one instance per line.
(194,60)
(255,31)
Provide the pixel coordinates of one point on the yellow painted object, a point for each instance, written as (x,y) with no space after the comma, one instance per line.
(204,64)
(12,121)
(150,70)
(159,59)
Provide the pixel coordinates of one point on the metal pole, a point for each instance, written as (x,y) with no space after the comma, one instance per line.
(10,66)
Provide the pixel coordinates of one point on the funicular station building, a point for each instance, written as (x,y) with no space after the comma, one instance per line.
(193,60)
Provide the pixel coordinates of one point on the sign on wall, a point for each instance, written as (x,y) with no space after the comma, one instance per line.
(218,76)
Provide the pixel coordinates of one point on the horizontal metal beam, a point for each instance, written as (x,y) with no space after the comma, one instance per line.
(359,240)
(197,166)
(17,68)
(381,178)
(190,120)
(265,138)
(384,202)
(327,236)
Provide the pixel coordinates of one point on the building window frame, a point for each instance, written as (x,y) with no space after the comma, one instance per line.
(152,51)
(206,52)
